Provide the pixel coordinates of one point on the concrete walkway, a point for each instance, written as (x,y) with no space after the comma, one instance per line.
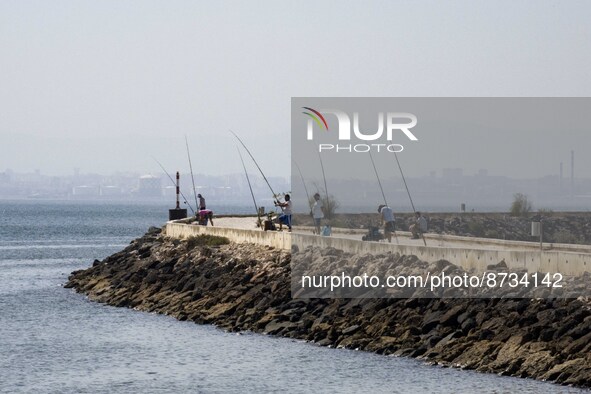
(467,252)
(404,238)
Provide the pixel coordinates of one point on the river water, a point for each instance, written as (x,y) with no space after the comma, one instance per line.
(53,340)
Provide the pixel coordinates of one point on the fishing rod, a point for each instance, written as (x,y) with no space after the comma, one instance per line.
(329,210)
(250,187)
(255,162)
(192,177)
(382,189)
(174,183)
(408,192)
(377,176)
(304,182)
(325,187)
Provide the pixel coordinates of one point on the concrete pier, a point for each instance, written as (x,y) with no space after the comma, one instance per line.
(469,253)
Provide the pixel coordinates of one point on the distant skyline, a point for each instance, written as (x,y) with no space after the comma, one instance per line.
(444,192)
(438,172)
(104,86)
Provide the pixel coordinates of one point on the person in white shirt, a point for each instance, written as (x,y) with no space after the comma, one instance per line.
(388,220)
(285,217)
(317,212)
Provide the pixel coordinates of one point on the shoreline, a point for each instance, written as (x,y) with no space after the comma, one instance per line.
(247,288)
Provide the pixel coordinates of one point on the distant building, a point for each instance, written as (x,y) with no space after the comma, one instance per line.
(85,191)
(150,186)
(452,173)
(110,191)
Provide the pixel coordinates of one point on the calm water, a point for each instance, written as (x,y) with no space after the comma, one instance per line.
(54,340)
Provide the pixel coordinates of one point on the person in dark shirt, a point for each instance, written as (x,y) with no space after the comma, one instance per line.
(201,202)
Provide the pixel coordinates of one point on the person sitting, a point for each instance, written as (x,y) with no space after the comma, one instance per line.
(419,227)
(285,217)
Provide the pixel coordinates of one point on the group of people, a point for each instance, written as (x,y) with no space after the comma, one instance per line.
(317,211)
(204,215)
(419,227)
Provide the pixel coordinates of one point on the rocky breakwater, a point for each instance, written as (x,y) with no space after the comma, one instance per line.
(248,288)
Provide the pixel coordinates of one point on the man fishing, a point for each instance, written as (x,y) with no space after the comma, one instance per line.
(388,220)
(419,227)
(204,216)
(285,217)
(317,212)
(201,202)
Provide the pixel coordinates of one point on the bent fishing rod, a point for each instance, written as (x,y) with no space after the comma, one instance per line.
(174,183)
(250,187)
(381,188)
(192,177)
(304,182)
(275,196)
(408,192)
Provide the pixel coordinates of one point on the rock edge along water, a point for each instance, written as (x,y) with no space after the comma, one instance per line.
(247,288)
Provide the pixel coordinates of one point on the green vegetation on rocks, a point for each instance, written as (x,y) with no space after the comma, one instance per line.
(206,240)
(521,205)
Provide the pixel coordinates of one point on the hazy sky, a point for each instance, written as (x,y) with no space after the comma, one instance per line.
(105,85)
